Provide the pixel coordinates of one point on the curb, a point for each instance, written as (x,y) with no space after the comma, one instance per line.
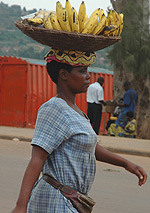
(15,138)
(128,152)
(115,150)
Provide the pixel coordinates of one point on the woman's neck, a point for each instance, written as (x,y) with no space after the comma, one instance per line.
(69,98)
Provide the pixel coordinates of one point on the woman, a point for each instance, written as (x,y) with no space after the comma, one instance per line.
(64,143)
(130,128)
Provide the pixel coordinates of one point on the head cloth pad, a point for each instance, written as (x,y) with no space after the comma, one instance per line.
(74,58)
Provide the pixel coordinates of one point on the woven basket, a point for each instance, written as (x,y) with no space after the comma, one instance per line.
(64,40)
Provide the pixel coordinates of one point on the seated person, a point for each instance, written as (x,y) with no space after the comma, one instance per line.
(111,120)
(130,128)
(115,130)
(128,131)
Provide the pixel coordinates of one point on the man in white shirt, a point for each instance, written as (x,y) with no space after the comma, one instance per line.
(95,99)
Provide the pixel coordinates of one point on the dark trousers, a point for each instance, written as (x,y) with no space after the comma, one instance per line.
(94,112)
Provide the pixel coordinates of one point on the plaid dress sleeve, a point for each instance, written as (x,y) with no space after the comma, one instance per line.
(51,127)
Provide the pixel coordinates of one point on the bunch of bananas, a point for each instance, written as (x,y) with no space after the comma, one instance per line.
(67,19)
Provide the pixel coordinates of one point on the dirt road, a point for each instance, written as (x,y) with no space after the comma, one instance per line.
(114,189)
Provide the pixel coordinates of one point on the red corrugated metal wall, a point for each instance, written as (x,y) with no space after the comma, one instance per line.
(13,80)
(24,86)
(40,88)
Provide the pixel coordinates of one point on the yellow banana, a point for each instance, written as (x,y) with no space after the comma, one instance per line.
(54,21)
(116,20)
(74,21)
(43,14)
(40,14)
(121,23)
(81,15)
(58,9)
(101,13)
(68,9)
(47,13)
(115,16)
(35,21)
(109,30)
(97,11)
(86,18)
(47,23)
(91,24)
(110,18)
(106,21)
(100,26)
(63,20)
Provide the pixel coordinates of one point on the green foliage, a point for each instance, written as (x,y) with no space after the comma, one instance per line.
(133,52)
(30,52)
(102,59)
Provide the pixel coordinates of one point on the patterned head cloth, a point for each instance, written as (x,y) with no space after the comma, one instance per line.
(73,58)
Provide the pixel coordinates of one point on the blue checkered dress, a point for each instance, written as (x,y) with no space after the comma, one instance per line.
(70,141)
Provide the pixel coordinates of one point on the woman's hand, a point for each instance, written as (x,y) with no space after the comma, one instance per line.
(138,171)
(108,157)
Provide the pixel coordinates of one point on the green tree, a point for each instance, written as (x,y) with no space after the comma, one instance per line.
(131,58)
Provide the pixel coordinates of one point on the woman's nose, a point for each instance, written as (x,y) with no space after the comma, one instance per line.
(88,75)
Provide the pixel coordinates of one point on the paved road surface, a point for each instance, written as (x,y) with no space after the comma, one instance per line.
(114,189)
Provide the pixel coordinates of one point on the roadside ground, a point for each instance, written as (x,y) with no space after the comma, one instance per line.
(139,147)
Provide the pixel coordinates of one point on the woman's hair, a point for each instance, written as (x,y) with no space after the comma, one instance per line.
(54,67)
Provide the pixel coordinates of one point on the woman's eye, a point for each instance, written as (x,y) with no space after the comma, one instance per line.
(83,71)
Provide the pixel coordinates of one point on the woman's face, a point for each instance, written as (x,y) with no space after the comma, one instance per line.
(78,80)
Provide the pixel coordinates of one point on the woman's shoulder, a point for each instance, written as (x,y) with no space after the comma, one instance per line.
(54,104)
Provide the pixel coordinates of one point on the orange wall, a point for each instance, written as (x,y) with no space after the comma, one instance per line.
(25,85)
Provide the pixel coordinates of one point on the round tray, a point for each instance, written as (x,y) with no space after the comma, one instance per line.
(64,40)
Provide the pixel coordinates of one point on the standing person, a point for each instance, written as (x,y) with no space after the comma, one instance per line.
(95,99)
(130,100)
(65,146)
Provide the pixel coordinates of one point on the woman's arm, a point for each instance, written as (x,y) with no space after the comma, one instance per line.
(108,157)
(30,177)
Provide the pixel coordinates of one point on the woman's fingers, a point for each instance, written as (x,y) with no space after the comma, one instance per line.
(141,175)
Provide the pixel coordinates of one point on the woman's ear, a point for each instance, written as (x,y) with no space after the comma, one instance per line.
(63,74)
